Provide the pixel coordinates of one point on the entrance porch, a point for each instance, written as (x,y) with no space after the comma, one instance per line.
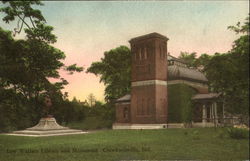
(209,110)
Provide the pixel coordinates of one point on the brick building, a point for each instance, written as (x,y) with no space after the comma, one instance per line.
(153,71)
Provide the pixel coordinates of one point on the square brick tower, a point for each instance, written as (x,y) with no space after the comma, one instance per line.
(149,79)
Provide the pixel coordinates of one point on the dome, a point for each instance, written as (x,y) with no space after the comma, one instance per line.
(176,72)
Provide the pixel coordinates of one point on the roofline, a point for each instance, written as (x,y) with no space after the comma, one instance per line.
(216,96)
(123,101)
(151,35)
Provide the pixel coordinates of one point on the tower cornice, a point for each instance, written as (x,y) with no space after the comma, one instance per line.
(148,36)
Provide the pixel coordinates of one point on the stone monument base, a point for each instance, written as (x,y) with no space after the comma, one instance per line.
(47,127)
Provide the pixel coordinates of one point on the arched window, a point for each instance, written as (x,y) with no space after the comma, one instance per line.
(163,52)
(160,51)
(149,68)
(145,53)
(125,113)
(140,54)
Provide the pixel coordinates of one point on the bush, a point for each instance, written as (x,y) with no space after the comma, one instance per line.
(238,133)
(180,107)
(16,112)
(100,116)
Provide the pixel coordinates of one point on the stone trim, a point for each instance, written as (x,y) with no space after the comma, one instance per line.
(149,82)
(193,84)
(138,126)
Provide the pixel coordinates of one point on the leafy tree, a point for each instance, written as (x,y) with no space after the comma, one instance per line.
(189,58)
(91,99)
(228,73)
(34,59)
(114,70)
(192,60)
(202,61)
(26,65)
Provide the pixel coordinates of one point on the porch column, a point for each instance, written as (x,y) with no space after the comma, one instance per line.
(211,112)
(215,113)
(204,114)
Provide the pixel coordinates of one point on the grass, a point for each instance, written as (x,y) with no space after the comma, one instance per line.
(108,145)
(90,123)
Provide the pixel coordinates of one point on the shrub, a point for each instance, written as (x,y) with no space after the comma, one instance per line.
(179,103)
(16,112)
(238,133)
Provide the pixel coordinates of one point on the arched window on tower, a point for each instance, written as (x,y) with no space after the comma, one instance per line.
(160,51)
(148,51)
(163,52)
(140,54)
(145,52)
(149,68)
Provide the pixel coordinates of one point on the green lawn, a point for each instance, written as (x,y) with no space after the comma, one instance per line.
(195,144)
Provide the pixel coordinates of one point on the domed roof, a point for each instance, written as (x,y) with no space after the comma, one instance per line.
(176,72)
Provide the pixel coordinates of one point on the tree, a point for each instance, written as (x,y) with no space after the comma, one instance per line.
(228,73)
(34,59)
(91,99)
(202,61)
(26,65)
(192,60)
(189,58)
(114,71)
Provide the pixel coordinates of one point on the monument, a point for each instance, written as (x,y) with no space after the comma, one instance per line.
(47,126)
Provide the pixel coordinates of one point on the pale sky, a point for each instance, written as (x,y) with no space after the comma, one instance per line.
(85,29)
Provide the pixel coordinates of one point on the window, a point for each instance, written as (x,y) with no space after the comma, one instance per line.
(160,51)
(140,54)
(149,70)
(145,52)
(125,113)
